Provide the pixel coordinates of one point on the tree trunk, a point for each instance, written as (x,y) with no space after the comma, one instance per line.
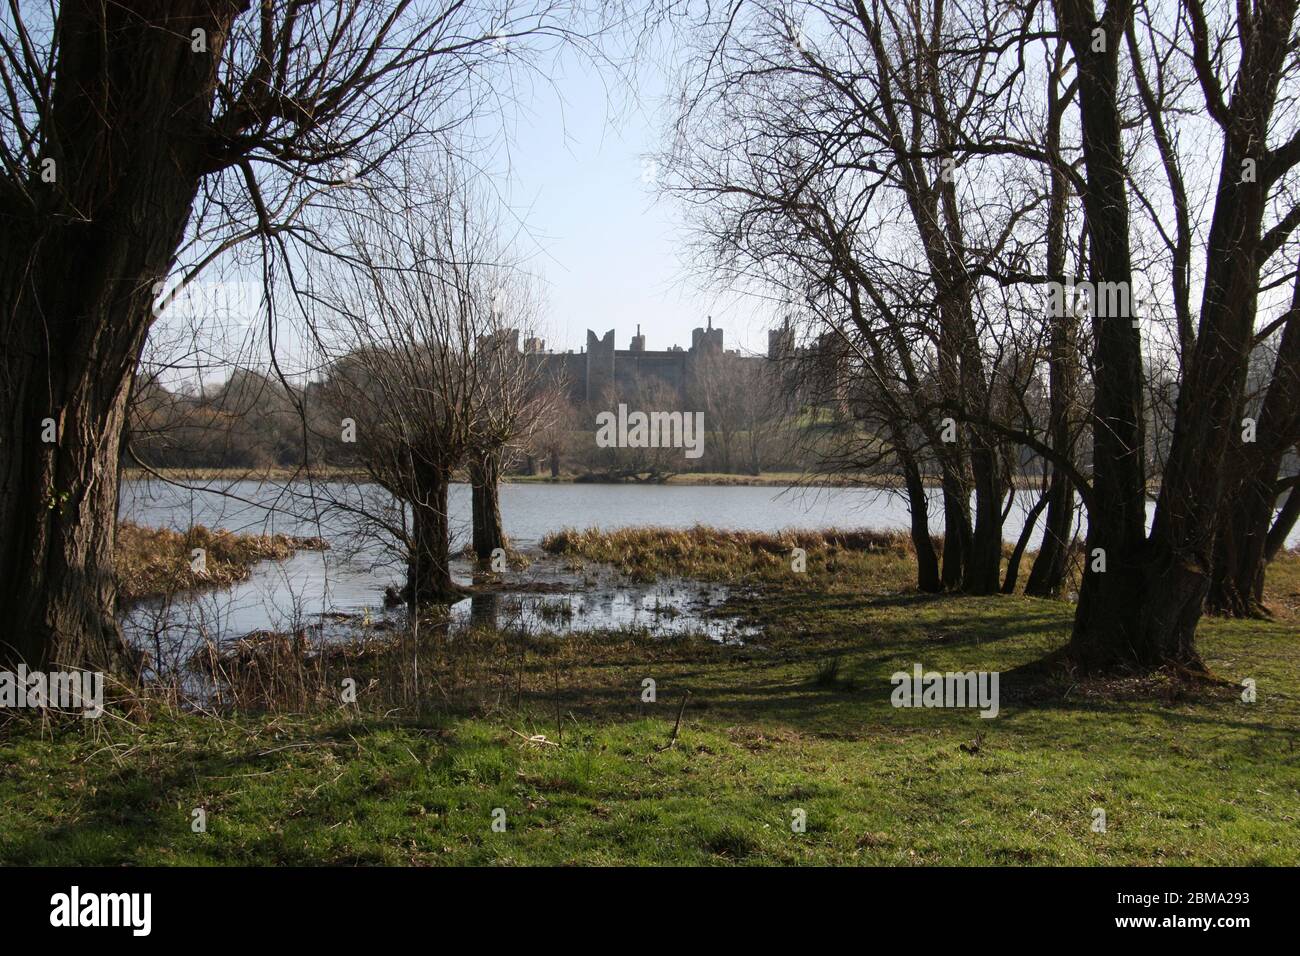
(1013,565)
(57,588)
(1241,541)
(428,565)
(1207,430)
(956,530)
(1048,571)
(1285,521)
(1107,627)
(984,568)
(1144,610)
(125,129)
(927,562)
(485,478)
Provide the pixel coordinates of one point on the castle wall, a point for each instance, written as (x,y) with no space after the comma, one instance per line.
(632,368)
(602,373)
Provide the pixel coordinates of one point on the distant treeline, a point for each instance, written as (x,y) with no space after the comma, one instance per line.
(255,422)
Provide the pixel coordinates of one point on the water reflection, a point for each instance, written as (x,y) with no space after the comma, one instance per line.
(662,609)
(329,593)
(546,598)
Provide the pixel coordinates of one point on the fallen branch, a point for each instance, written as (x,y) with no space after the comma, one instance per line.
(539,739)
(672,741)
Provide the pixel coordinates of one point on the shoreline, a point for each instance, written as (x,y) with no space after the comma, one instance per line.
(771,479)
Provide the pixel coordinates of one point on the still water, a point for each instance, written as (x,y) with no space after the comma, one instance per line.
(331,590)
(530,511)
(315,588)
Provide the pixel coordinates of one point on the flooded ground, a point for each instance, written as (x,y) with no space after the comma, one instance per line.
(331,593)
(334,599)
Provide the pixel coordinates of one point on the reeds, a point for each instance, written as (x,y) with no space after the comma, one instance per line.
(151,562)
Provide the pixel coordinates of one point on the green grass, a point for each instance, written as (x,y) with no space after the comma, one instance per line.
(1186,774)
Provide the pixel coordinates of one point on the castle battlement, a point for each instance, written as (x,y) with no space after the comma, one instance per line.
(601,372)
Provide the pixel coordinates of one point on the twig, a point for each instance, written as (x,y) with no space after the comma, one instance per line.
(559,724)
(672,741)
(539,739)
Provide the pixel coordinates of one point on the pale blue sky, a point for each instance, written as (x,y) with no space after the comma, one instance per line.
(569,159)
(577,171)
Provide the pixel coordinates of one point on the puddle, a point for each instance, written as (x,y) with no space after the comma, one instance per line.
(662,609)
(334,602)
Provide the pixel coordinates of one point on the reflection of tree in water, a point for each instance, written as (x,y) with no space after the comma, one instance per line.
(483,610)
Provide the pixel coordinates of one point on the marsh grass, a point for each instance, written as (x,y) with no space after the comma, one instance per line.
(715,554)
(152,562)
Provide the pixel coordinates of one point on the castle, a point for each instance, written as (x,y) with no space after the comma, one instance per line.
(602,370)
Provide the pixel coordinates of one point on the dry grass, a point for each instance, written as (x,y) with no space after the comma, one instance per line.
(156,561)
(718,554)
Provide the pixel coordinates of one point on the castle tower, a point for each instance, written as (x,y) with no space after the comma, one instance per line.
(780,342)
(706,338)
(600,367)
(638,340)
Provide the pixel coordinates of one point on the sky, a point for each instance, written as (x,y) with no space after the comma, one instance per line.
(570,157)
(577,169)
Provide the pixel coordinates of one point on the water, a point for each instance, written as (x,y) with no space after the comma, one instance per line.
(530,511)
(348,581)
(332,592)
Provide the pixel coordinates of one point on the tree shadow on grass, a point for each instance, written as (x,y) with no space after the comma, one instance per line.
(139,816)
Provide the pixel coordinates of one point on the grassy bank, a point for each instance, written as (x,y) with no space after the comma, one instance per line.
(879,559)
(773,479)
(152,562)
(203,475)
(555,733)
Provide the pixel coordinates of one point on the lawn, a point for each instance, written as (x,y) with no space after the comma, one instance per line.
(796,725)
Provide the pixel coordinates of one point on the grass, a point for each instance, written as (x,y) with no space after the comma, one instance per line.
(155,561)
(871,558)
(334,473)
(801,719)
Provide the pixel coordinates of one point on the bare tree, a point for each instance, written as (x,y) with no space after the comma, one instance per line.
(1245,542)
(884,163)
(422,371)
(739,396)
(514,402)
(555,439)
(817,143)
(127,130)
(1141,604)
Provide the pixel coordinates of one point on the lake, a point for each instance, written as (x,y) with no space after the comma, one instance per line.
(350,580)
